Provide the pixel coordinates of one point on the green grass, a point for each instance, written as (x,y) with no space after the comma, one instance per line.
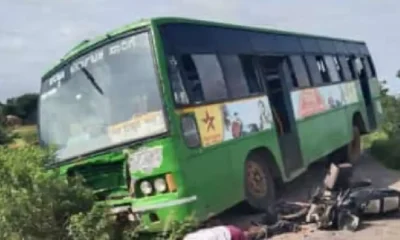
(383,148)
(24,135)
(25,129)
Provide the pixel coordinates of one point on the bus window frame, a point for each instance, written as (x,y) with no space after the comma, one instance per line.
(306,47)
(228,98)
(291,68)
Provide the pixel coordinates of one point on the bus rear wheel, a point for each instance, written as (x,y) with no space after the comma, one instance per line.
(354,147)
(259,185)
(350,152)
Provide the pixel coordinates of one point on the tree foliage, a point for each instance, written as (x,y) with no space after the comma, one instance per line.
(24,106)
(36,203)
(385,148)
(391,112)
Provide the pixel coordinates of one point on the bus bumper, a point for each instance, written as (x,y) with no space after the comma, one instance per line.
(155,216)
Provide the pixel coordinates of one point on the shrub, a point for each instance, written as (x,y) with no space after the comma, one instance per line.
(30,137)
(370,138)
(387,152)
(5,137)
(35,203)
(38,203)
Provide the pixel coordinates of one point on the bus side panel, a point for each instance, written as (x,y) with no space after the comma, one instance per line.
(206,175)
(239,152)
(357,107)
(322,119)
(216,174)
(323,133)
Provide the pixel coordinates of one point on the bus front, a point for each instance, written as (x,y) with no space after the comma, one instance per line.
(103,112)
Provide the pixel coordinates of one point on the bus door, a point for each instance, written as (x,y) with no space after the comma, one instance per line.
(272,71)
(364,75)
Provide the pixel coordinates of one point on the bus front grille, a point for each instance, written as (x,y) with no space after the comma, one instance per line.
(107,179)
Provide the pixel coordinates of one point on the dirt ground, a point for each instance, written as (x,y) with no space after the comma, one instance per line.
(373,229)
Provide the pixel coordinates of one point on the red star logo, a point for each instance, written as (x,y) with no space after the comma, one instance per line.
(209,120)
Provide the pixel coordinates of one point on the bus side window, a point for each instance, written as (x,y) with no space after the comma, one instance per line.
(367,67)
(178,88)
(371,66)
(234,76)
(253,81)
(322,68)
(345,68)
(360,70)
(205,79)
(194,88)
(211,77)
(339,68)
(351,64)
(315,74)
(298,72)
(332,68)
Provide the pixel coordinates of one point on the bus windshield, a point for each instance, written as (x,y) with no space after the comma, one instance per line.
(107,97)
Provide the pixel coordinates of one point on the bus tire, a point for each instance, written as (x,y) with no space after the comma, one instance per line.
(259,185)
(350,152)
(354,146)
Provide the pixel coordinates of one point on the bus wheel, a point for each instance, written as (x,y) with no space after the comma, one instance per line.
(350,152)
(354,147)
(259,185)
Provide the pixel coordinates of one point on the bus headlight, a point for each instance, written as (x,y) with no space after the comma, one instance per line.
(160,185)
(146,187)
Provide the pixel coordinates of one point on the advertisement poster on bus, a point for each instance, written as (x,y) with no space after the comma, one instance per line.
(332,96)
(349,93)
(210,124)
(246,117)
(223,122)
(312,101)
(307,102)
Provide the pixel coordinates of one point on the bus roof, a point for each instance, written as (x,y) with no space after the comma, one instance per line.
(165,20)
(85,44)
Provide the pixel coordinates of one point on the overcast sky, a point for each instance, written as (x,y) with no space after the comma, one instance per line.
(36,33)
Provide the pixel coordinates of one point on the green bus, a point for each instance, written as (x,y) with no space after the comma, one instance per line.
(168,118)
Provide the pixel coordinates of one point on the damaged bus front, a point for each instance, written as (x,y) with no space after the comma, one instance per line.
(103,111)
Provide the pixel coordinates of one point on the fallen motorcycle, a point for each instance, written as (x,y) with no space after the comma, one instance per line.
(341,203)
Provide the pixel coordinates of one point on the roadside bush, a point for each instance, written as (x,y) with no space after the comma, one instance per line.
(35,203)
(370,138)
(387,151)
(30,137)
(38,203)
(5,137)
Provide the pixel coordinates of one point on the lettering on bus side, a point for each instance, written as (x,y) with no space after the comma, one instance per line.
(227,121)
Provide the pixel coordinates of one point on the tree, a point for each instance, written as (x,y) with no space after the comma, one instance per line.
(391,112)
(24,106)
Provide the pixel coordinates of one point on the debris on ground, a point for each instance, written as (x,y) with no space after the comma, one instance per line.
(339,204)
